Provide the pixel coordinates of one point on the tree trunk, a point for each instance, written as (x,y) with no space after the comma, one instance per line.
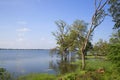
(83,59)
(65,55)
(83,52)
(65,58)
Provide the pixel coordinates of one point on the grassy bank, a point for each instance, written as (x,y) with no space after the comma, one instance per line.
(90,73)
(38,77)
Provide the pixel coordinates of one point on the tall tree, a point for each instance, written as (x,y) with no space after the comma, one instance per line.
(97,19)
(115,12)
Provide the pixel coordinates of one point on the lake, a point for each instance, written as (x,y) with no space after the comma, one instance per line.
(20,62)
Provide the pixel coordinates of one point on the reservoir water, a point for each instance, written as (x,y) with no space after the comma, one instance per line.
(20,62)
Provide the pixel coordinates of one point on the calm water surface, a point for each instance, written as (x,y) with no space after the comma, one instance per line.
(20,62)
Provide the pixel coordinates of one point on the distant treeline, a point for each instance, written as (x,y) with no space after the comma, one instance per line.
(21,49)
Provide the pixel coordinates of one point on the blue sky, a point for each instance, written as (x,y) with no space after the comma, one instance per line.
(29,23)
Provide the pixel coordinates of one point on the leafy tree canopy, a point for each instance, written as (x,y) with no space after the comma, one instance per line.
(115,12)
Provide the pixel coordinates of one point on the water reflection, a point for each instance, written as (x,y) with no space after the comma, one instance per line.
(62,67)
(22,62)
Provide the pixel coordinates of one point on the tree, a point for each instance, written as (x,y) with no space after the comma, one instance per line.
(101,48)
(70,39)
(115,38)
(114,53)
(114,49)
(115,12)
(61,36)
(79,30)
(97,19)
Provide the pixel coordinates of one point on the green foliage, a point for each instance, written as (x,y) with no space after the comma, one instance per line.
(70,76)
(98,63)
(114,54)
(115,12)
(91,71)
(37,77)
(89,74)
(70,38)
(115,38)
(78,31)
(61,36)
(4,75)
(114,50)
(100,48)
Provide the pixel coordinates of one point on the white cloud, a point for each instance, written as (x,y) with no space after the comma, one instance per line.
(6,44)
(23,43)
(42,39)
(20,39)
(23,29)
(22,22)
(45,43)
(20,34)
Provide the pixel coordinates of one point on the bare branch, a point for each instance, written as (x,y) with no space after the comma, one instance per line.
(95,5)
(99,5)
(103,4)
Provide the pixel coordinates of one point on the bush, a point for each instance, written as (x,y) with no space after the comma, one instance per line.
(114,55)
(4,75)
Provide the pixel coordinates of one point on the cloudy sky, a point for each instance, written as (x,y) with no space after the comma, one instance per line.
(29,23)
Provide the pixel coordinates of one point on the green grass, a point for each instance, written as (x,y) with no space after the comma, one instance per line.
(38,77)
(95,57)
(92,65)
(90,57)
(90,73)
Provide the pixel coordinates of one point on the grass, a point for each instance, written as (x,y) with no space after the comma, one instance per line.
(90,57)
(90,73)
(92,65)
(38,77)
(95,57)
